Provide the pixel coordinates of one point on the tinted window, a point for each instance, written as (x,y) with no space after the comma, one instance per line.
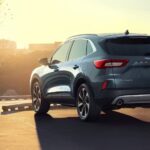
(78,49)
(128,46)
(61,53)
(89,48)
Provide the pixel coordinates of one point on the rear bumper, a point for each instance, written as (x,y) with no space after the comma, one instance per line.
(123,98)
(132,99)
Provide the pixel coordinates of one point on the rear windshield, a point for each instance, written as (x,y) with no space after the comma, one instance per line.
(128,46)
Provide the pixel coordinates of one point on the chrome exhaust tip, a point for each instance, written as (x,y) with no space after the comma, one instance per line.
(119,102)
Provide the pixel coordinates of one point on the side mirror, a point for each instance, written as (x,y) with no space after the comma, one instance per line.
(55,62)
(43,61)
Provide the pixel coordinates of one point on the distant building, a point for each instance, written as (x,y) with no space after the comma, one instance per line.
(44,46)
(7,44)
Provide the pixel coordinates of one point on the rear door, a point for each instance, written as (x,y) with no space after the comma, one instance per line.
(136,50)
(75,57)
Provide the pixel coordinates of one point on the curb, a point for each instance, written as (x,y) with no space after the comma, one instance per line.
(17,107)
(28,107)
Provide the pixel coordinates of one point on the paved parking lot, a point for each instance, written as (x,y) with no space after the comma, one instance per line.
(60,129)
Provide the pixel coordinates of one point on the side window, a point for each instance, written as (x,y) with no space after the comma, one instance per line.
(78,49)
(89,48)
(61,53)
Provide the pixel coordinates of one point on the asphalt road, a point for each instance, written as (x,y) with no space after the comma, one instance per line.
(126,129)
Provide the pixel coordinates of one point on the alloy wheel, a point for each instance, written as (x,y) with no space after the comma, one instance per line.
(83,103)
(36,96)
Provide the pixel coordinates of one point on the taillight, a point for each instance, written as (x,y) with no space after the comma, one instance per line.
(109,63)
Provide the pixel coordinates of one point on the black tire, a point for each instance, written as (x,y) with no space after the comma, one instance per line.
(86,107)
(39,104)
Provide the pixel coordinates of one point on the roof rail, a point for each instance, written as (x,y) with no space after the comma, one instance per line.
(82,35)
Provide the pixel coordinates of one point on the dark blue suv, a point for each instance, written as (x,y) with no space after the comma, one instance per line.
(94,73)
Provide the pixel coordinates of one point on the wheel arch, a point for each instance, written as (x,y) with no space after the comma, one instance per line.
(35,78)
(80,80)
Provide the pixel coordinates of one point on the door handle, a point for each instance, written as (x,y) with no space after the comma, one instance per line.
(75,67)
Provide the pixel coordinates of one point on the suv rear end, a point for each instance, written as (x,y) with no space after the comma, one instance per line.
(128,66)
(94,73)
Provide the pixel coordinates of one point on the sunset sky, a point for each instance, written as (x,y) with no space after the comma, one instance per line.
(32,21)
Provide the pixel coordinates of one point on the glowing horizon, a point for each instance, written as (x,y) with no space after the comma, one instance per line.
(45,21)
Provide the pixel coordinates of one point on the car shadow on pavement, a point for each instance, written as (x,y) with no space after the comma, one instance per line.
(115,131)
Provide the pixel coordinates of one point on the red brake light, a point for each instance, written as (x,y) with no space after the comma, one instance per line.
(110,63)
